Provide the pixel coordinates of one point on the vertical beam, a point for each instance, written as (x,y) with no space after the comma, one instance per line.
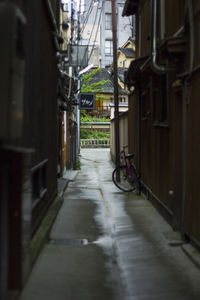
(78,113)
(4,179)
(115,69)
(78,116)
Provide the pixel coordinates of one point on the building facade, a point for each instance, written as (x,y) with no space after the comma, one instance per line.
(99,13)
(164,109)
(28,138)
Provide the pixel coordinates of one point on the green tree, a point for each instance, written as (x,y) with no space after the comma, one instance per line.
(96,87)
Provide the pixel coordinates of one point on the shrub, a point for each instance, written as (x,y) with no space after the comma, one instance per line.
(94,134)
(87,118)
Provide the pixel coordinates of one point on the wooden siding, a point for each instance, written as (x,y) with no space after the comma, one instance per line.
(166,139)
(40,130)
(146,28)
(174,16)
(192,209)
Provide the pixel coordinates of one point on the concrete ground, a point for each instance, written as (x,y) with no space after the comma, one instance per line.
(106,244)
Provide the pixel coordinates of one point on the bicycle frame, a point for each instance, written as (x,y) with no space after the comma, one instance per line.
(125,176)
(131,170)
(127,163)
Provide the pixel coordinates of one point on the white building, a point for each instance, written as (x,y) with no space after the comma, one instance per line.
(99,14)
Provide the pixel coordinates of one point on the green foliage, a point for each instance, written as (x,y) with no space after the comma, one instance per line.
(96,87)
(87,118)
(94,134)
(78,164)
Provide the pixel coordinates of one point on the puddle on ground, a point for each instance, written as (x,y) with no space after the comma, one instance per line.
(69,242)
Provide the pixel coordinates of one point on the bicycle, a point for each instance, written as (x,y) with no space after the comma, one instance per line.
(126,176)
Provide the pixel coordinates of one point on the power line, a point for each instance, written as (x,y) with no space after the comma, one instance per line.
(87,15)
(92,30)
(100,14)
(72,20)
(94,23)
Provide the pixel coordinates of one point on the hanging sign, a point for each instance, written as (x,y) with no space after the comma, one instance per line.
(86,101)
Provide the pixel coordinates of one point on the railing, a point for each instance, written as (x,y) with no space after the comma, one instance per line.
(100,110)
(95,143)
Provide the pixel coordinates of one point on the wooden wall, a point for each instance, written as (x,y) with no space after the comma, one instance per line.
(166,139)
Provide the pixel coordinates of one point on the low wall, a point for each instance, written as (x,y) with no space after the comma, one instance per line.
(123,133)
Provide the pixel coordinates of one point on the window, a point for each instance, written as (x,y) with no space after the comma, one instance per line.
(39,181)
(108,21)
(84,42)
(160,101)
(108,47)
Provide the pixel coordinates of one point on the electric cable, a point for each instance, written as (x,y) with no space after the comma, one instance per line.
(72,20)
(87,16)
(100,14)
(94,24)
(96,14)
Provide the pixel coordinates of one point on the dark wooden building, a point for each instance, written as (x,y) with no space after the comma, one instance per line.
(164,127)
(28,135)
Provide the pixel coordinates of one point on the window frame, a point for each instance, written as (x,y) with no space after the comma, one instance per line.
(108,21)
(39,182)
(110,53)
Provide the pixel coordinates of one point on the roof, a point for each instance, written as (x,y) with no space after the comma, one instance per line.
(122,74)
(103,74)
(136,69)
(130,7)
(130,39)
(128,52)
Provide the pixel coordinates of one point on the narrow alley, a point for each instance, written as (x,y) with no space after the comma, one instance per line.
(106,244)
(81,84)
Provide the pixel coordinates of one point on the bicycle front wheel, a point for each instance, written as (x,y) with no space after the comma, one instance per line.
(121,179)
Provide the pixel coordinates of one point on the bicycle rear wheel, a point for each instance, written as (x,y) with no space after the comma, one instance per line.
(124,183)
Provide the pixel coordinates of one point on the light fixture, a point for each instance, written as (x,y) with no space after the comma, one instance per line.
(65,25)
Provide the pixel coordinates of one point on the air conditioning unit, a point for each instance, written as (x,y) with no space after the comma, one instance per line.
(12,70)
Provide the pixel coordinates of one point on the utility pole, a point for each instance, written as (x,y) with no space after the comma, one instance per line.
(115,71)
(79,82)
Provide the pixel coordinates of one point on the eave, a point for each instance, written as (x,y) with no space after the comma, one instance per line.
(130,7)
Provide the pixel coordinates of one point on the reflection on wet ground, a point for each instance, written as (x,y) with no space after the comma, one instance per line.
(106,244)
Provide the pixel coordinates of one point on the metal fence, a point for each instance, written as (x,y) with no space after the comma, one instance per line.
(95,143)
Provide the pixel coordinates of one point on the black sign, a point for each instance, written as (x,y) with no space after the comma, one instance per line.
(86,101)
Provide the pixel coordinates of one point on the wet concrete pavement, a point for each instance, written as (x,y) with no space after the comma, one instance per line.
(106,244)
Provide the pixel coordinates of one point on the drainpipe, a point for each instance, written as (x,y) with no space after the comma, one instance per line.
(155,66)
(191,25)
